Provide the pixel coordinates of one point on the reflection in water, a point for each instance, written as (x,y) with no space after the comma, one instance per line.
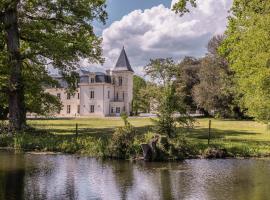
(53,177)
(12,179)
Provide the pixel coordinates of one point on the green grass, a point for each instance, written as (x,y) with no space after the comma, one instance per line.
(97,127)
(240,138)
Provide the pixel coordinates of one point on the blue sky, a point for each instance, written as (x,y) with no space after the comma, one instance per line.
(150,29)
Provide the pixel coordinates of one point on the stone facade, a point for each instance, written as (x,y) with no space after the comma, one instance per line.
(98,93)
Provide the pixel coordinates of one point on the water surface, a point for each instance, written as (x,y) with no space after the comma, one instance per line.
(60,177)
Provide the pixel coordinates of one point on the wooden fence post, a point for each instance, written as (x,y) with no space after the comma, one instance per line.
(209,131)
(76,130)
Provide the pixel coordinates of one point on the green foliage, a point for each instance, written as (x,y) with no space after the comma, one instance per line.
(243,150)
(186,78)
(166,123)
(247,49)
(238,138)
(215,90)
(44,34)
(171,107)
(141,98)
(124,117)
(182,6)
(161,70)
(181,148)
(121,145)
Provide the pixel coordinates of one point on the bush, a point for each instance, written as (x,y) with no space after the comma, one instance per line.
(121,145)
(243,150)
(69,146)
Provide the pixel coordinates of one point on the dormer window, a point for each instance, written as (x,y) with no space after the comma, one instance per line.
(120,80)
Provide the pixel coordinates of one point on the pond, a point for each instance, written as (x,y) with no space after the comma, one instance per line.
(53,177)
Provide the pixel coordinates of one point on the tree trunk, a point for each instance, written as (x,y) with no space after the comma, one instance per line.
(17,115)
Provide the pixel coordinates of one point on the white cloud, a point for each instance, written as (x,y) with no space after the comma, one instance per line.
(159,32)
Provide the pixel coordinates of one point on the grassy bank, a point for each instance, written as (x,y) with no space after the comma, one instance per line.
(239,138)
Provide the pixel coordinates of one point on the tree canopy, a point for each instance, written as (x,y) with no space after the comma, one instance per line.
(215,90)
(182,6)
(170,104)
(141,99)
(37,34)
(247,49)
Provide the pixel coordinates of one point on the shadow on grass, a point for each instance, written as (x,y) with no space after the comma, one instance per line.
(199,134)
(94,132)
(202,133)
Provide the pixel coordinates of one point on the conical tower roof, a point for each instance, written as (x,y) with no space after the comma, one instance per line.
(122,63)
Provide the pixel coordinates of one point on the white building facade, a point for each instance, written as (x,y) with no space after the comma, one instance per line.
(99,94)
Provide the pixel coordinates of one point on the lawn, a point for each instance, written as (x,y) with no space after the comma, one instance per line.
(97,127)
(230,130)
(241,138)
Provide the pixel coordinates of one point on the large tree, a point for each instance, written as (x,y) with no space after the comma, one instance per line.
(171,108)
(215,90)
(44,33)
(37,100)
(186,78)
(247,49)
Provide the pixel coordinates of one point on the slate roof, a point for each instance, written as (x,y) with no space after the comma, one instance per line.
(123,62)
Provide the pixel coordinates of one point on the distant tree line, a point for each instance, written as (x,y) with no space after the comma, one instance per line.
(203,84)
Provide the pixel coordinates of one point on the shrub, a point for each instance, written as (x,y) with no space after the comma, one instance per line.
(94,147)
(243,150)
(121,145)
(69,146)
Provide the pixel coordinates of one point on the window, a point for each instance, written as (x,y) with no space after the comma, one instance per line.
(123,95)
(108,94)
(59,95)
(113,81)
(78,109)
(92,80)
(117,109)
(68,109)
(117,96)
(120,80)
(92,94)
(112,110)
(68,95)
(78,96)
(92,109)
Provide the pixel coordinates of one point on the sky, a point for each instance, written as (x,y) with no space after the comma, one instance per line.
(150,29)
